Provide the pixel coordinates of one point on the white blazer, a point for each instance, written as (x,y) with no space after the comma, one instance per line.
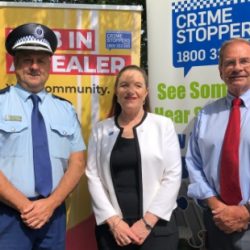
(160,166)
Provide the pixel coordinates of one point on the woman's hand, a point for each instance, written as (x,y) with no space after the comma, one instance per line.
(122,232)
(142,228)
(141,231)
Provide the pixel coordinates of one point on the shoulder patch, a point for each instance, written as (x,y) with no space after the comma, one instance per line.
(3,91)
(62,99)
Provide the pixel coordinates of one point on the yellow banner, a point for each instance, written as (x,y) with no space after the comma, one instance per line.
(94,43)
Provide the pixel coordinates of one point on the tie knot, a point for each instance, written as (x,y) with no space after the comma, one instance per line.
(35,99)
(236,102)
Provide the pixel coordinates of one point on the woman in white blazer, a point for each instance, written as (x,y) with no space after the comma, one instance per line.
(134,171)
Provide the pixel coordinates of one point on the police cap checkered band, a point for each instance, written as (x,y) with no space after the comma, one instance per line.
(31,36)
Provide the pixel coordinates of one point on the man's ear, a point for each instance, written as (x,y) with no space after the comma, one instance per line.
(220,72)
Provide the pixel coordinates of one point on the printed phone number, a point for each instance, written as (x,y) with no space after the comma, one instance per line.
(197,55)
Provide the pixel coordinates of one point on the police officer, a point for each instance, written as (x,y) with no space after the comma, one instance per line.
(32,210)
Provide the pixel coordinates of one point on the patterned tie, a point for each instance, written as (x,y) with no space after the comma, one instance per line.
(229,179)
(41,158)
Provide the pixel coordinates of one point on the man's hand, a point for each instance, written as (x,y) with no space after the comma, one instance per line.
(38,214)
(231,218)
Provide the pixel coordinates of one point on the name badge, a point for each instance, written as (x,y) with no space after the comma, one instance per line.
(15,118)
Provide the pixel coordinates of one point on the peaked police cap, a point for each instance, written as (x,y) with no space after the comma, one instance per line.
(31,36)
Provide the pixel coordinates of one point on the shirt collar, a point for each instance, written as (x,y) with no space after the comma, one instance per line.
(244,97)
(24,94)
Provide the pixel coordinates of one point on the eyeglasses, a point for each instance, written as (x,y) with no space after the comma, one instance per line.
(243,61)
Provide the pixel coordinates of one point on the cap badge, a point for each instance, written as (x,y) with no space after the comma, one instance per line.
(38,32)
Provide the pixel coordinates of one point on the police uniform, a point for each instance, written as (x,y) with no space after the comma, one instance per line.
(16,151)
(63,129)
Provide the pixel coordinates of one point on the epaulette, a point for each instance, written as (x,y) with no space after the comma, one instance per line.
(61,98)
(2,91)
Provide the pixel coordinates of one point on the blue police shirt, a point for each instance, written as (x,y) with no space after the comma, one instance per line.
(204,149)
(63,129)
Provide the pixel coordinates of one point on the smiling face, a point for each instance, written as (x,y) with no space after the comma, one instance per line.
(32,69)
(235,67)
(131,91)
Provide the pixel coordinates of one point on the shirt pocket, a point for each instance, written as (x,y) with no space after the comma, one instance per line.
(61,136)
(13,137)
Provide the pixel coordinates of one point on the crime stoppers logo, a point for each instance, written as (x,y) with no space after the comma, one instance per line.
(200,26)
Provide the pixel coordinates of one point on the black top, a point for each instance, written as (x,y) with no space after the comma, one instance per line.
(125,176)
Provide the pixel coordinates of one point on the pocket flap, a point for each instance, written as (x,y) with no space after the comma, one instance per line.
(62,129)
(13,127)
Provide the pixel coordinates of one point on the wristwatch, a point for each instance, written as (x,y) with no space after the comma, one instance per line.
(148,226)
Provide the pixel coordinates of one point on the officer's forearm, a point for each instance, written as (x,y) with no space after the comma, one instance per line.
(70,179)
(12,196)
